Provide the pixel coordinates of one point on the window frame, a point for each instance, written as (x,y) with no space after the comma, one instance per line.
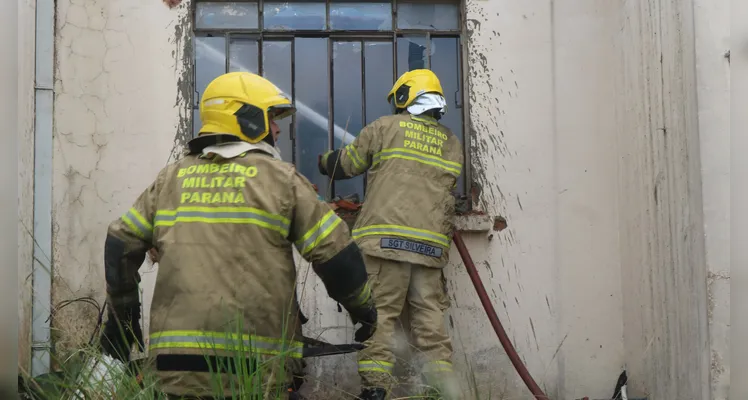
(340,35)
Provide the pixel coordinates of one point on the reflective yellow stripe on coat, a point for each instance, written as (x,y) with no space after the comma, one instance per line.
(246,344)
(402,231)
(318,233)
(223,215)
(420,157)
(138,224)
(358,162)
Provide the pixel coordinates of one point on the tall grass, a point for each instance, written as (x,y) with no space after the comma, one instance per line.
(73,381)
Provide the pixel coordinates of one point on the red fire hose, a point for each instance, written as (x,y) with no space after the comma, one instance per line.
(494,318)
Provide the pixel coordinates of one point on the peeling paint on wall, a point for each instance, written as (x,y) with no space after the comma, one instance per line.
(486,144)
(184,67)
(116,126)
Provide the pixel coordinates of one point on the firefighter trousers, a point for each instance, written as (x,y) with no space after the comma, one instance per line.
(393,284)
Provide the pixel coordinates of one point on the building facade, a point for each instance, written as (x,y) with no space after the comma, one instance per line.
(598,130)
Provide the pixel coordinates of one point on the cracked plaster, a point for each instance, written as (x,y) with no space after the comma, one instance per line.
(107,116)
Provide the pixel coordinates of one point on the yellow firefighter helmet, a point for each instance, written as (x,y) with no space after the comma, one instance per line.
(411,85)
(241,104)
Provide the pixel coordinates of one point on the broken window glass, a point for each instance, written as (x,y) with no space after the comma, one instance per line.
(294,16)
(348,105)
(411,53)
(312,86)
(276,67)
(362,16)
(226,15)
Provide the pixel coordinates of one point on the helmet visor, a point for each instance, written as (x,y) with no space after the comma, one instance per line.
(281,111)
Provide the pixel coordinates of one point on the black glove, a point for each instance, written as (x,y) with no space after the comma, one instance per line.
(121,331)
(322,164)
(367,316)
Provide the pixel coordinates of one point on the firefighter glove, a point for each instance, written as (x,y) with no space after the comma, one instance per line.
(362,310)
(367,316)
(322,163)
(121,331)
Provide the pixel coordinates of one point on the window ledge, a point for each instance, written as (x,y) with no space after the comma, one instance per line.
(478,223)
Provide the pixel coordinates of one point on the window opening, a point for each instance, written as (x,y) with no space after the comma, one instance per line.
(337,60)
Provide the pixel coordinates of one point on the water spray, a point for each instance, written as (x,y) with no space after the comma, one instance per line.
(313,116)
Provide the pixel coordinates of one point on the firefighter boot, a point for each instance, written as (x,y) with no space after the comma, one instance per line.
(373,394)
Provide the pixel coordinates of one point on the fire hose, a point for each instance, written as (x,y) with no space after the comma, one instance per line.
(494,319)
(348,207)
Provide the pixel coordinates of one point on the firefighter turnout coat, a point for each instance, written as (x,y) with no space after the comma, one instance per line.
(224,228)
(413,163)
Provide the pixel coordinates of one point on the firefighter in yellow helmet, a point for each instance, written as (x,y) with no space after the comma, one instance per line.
(405,225)
(224,219)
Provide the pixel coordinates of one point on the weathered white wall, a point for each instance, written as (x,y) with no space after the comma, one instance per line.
(546,161)
(594,271)
(661,225)
(713,74)
(116,122)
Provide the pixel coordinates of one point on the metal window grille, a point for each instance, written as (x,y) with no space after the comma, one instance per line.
(337,60)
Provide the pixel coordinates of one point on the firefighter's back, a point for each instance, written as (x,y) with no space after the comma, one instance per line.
(226,274)
(408,201)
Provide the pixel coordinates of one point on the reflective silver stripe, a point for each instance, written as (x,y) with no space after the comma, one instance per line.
(320,231)
(401,231)
(234,215)
(222,341)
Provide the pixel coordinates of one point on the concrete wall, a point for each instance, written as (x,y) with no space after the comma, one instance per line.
(546,160)
(713,74)
(661,225)
(116,118)
(572,138)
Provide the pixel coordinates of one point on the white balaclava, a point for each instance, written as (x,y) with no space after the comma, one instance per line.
(428,101)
